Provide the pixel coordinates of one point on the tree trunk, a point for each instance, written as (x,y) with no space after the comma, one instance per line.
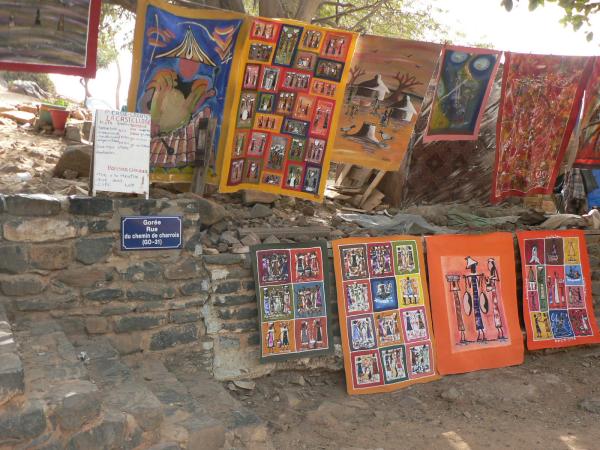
(85,83)
(118,92)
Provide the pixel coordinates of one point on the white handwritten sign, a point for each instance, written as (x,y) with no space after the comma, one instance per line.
(121,152)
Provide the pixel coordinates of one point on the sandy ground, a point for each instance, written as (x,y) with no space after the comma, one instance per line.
(552,401)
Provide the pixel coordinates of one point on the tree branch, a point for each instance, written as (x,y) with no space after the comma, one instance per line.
(349,11)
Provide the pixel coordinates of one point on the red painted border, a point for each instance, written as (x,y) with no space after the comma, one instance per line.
(89,71)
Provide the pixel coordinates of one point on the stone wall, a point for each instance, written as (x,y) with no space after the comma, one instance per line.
(61,257)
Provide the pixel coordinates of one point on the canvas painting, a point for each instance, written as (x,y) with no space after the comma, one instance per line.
(462,88)
(292,291)
(588,154)
(541,96)
(474,304)
(286,108)
(181,70)
(387,82)
(557,297)
(385,321)
(49,36)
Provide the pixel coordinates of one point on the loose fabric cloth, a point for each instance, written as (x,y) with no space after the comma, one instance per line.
(540,101)
(50,37)
(462,88)
(387,83)
(588,154)
(557,289)
(385,320)
(474,301)
(292,291)
(181,69)
(289,95)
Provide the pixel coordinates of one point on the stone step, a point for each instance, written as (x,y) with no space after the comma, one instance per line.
(12,380)
(119,389)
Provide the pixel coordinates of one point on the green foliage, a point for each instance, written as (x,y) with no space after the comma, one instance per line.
(42,79)
(112,21)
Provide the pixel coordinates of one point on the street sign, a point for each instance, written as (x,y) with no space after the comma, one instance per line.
(151,233)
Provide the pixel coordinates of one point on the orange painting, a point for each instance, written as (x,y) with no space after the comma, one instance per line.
(474,303)
(387,83)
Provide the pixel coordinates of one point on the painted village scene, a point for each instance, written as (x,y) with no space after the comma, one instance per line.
(242,225)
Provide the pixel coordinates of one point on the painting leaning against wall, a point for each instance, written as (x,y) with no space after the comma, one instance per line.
(51,36)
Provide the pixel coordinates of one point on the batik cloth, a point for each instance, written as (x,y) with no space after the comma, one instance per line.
(383,305)
(588,154)
(286,110)
(181,70)
(292,290)
(462,88)
(474,301)
(541,97)
(386,86)
(49,37)
(557,289)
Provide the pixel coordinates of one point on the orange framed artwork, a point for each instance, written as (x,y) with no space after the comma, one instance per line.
(474,301)
(385,321)
(557,289)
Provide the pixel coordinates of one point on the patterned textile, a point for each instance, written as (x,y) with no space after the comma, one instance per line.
(292,290)
(540,101)
(588,155)
(462,88)
(474,301)
(384,313)
(49,37)
(557,289)
(388,80)
(182,63)
(290,93)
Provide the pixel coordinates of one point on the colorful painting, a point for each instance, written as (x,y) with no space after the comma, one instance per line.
(384,313)
(292,291)
(462,88)
(292,91)
(588,155)
(181,70)
(557,289)
(474,301)
(541,96)
(387,82)
(49,36)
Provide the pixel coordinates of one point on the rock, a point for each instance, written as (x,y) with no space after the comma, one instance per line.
(91,251)
(12,381)
(231,386)
(210,212)
(183,270)
(22,285)
(73,133)
(90,206)
(13,258)
(240,249)
(250,240)
(250,197)
(260,211)
(308,210)
(30,88)
(302,222)
(450,394)
(42,230)
(82,277)
(247,385)
(128,324)
(293,399)
(21,117)
(32,205)
(51,257)
(271,240)
(591,405)
(174,336)
(17,424)
(300,381)
(229,237)
(77,158)
(210,251)
(69,174)
(79,403)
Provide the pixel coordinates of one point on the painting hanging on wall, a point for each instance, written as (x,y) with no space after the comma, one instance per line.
(463,85)
(386,85)
(474,301)
(385,321)
(286,108)
(181,70)
(49,36)
(541,96)
(588,154)
(292,290)
(557,289)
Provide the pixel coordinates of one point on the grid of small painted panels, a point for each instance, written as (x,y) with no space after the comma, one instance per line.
(383,304)
(287,105)
(555,290)
(292,299)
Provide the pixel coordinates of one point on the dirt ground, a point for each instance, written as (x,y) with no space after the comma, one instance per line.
(552,401)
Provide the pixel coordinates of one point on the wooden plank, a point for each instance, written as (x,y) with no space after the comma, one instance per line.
(359,176)
(373,201)
(372,186)
(345,170)
(287,232)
